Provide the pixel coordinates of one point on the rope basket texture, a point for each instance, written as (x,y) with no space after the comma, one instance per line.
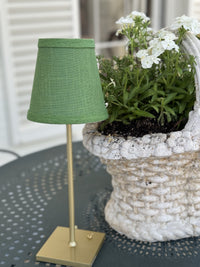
(155,178)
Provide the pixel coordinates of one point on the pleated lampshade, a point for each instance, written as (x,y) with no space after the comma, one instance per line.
(66,87)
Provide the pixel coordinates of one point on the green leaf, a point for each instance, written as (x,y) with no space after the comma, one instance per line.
(182,106)
(156,108)
(133,92)
(179,71)
(113,115)
(155,86)
(191,89)
(170,110)
(177,89)
(147,94)
(169,98)
(169,118)
(125,97)
(162,93)
(180,97)
(154,98)
(143,113)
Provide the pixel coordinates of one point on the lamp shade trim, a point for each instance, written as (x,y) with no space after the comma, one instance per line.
(65,120)
(71,43)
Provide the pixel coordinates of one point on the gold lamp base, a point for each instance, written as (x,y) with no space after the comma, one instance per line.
(57,250)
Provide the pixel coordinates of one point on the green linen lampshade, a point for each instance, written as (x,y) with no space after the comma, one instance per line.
(66,87)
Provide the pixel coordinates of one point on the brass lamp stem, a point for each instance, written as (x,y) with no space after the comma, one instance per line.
(72,242)
(61,247)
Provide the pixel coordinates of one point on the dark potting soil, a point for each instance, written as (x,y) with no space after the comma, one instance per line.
(140,127)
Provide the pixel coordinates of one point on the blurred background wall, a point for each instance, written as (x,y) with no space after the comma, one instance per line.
(22,22)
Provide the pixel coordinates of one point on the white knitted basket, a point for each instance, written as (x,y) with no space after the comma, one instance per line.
(155,178)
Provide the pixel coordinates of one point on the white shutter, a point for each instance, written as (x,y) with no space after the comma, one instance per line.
(194,9)
(3,126)
(23,22)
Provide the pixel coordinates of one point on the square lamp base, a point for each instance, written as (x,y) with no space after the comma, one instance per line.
(56,249)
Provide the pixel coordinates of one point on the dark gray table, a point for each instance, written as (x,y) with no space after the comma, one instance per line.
(33,201)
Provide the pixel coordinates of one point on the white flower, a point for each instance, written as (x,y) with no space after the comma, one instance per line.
(154,42)
(169,45)
(131,17)
(148,61)
(163,34)
(112,82)
(126,20)
(150,32)
(140,14)
(118,32)
(142,53)
(170,37)
(189,68)
(188,23)
(156,48)
(156,60)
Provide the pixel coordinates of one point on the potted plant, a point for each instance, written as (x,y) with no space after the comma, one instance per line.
(151,140)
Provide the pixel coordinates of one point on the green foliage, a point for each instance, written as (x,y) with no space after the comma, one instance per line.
(166,91)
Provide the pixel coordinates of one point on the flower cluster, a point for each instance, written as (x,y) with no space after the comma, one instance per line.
(165,40)
(157,46)
(155,78)
(131,21)
(190,24)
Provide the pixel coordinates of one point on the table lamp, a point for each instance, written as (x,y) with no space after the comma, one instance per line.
(67,90)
